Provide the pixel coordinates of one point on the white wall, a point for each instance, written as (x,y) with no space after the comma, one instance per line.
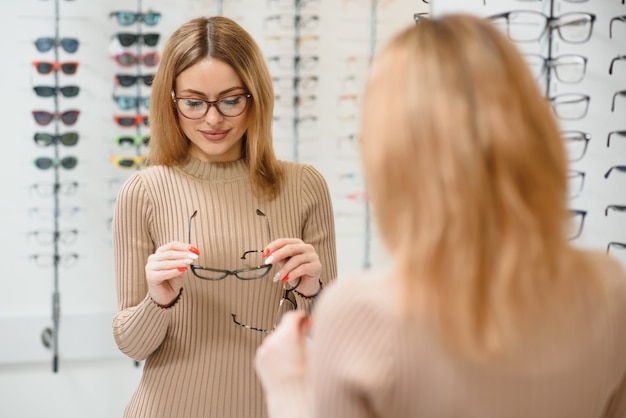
(93,379)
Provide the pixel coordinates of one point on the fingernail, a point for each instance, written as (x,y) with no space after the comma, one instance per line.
(266,252)
(194,250)
(276,277)
(188,261)
(284,279)
(181,269)
(193,256)
(269,259)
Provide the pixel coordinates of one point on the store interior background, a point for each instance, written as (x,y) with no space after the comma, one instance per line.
(91,377)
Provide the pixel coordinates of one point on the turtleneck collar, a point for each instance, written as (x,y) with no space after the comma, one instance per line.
(215,171)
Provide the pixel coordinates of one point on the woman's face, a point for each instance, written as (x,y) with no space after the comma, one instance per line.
(214,137)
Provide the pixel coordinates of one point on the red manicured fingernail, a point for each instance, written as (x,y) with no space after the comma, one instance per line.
(284,279)
(182,269)
(194,250)
(266,252)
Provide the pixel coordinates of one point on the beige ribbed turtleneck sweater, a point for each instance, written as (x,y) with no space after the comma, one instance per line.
(198,362)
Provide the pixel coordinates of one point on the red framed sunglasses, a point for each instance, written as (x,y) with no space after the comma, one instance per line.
(46,67)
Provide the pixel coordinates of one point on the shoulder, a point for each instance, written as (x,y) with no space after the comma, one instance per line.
(371,293)
(304,177)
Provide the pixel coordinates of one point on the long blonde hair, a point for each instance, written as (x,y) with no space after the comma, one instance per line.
(467,175)
(220,38)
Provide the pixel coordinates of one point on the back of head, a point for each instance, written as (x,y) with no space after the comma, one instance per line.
(467,176)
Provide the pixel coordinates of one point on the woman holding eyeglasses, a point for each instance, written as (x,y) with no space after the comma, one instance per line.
(216,238)
(488,310)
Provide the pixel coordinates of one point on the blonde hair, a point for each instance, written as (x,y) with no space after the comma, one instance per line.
(467,176)
(223,39)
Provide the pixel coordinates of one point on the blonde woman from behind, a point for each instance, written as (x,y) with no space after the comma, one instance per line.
(488,310)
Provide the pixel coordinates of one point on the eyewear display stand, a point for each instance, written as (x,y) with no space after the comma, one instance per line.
(50,335)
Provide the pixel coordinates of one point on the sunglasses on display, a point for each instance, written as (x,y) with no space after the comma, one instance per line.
(129,102)
(43,118)
(127,141)
(128,39)
(126,18)
(67,139)
(49,91)
(126,80)
(46,163)
(45,44)
(46,67)
(128,121)
(127,59)
(127,162)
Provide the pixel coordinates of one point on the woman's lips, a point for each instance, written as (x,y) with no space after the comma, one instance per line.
(214,135)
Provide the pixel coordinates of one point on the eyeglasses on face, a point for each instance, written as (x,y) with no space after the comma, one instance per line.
(567,68)
(127,39)
(46,163)
(129,102)
(67,139)
(128,121)
(46,67)
(615,19)
(127,18)
(45,44)
(128,59)
(67,236)
(127,162)
(43,118)
(49,260)
(618,168)
(230,106)
(617,208)
(127,80)
(49,189)
(617,58)
(49,91)
(251,271)
(127,141)
(616,245)
(576,143)
(619,133)
(570,106)
(578,221)
(531,26)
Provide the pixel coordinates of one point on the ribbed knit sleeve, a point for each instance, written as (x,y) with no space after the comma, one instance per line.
(318,228)
(198,360)
(141,325)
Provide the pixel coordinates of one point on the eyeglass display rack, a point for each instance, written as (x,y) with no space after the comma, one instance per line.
(585,105)
(139,103)
(50,335)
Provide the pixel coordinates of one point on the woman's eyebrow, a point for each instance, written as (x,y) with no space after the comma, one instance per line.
(221,93)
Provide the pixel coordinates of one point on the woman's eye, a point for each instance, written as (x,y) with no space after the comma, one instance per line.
(231,101)
(194,103)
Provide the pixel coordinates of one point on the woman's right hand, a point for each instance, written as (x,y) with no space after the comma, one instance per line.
(165,270)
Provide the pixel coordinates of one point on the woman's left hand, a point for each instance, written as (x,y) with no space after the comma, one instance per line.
(295,259)
(281,363)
